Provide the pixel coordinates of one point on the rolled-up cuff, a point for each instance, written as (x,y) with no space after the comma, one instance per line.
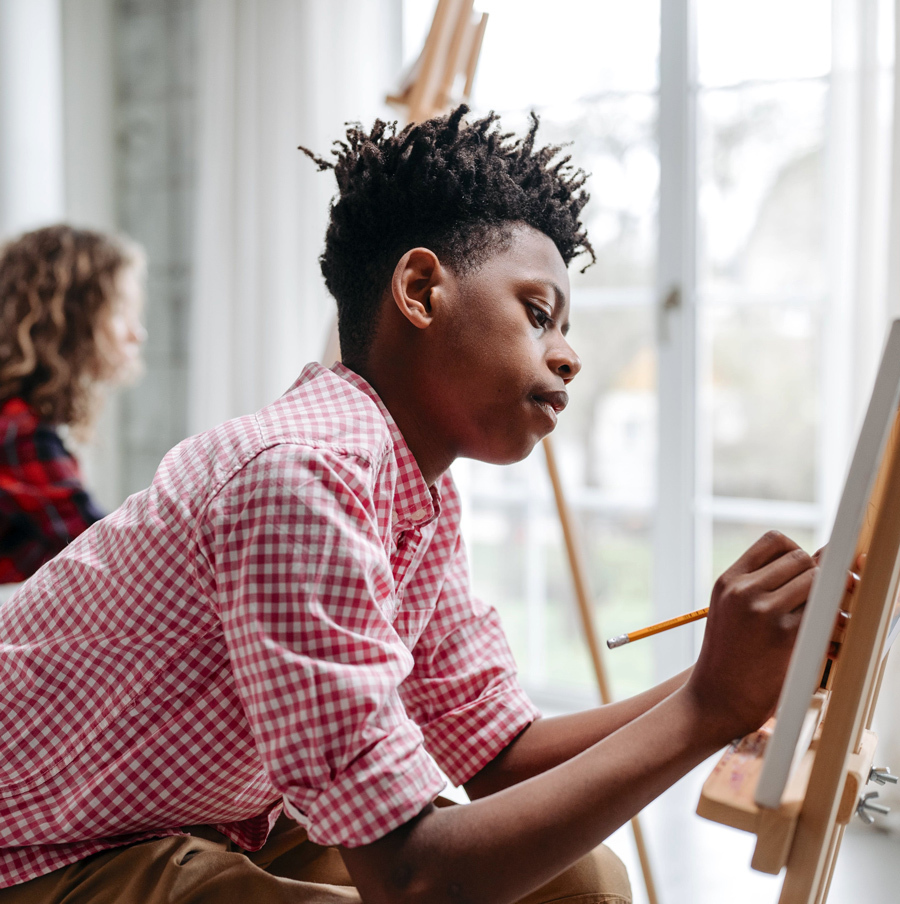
(373,796)
(462,742)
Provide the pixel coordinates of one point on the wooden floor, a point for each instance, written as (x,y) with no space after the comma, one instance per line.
(700,862)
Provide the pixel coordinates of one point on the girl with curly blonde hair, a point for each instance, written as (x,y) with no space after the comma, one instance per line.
(70,305)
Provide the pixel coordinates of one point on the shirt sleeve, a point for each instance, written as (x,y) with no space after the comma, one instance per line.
(463,691)
(303,583)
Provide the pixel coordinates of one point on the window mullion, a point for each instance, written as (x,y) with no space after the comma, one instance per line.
(675,543)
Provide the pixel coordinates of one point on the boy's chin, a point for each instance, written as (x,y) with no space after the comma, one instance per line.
(508,455)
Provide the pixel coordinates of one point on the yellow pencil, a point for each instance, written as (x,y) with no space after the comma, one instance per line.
(622,639)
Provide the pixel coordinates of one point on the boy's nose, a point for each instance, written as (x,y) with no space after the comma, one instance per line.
(568,363)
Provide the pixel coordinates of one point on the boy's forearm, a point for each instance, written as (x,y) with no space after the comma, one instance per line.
(550,741)
(499,848)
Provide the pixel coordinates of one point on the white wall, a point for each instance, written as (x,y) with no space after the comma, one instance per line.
(31,103)
(88,120)
(273,74)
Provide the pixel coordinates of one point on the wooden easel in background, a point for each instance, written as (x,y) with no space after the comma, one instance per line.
(799,820)
(448,59)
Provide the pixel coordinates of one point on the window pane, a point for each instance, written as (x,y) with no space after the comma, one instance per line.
(614,140)
(620,572)
(761,199)
(766,39)
(519,563)
(533,56)
(731,541)
(759,412)
(606,439)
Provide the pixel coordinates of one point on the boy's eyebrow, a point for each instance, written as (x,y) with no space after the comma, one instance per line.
(549,284)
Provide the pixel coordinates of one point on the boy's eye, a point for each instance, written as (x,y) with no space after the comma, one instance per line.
(540,317)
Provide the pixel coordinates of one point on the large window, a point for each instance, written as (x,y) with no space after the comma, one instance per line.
(696,422)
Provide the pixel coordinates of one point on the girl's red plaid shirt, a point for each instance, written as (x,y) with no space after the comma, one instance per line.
(43,504)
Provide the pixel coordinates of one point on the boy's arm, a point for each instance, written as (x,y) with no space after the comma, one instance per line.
(502,846)
(547,742)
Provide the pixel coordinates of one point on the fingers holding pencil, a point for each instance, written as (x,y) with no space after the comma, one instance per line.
(766,558)
(755,609)
(852,580)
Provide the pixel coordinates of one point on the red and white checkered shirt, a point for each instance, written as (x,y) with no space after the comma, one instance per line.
(283,616)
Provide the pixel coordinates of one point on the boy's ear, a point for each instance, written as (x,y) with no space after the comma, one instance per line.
(417,274)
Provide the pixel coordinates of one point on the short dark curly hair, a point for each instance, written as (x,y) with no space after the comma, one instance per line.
(458,188)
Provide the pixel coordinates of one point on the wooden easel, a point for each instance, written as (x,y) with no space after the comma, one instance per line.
(451,50)
(450,55)
(803,832)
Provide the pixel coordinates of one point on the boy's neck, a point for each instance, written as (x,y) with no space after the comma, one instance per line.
(393,390)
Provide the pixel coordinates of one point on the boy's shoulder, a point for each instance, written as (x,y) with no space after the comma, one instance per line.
(323,413)
(329,408)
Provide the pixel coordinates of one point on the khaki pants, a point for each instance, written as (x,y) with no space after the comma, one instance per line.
(205,868)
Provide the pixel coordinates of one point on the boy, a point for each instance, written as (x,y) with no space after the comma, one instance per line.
(265,642)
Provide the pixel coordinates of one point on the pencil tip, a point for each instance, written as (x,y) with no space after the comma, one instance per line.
(617,641)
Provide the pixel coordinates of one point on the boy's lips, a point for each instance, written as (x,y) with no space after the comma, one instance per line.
(553,399)
(556,399)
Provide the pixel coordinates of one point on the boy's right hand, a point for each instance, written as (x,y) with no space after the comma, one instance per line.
(755,611)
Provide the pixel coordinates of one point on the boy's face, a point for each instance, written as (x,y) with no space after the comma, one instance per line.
(503,359)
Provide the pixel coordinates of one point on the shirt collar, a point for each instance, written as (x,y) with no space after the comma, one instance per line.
(415,503)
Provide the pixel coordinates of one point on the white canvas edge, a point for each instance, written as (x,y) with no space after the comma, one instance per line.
(803,673)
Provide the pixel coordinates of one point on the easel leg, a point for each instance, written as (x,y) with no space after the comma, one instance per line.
(834,846)
(579,579)
(645,860)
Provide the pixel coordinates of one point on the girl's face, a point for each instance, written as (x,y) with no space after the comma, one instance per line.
(120,333)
